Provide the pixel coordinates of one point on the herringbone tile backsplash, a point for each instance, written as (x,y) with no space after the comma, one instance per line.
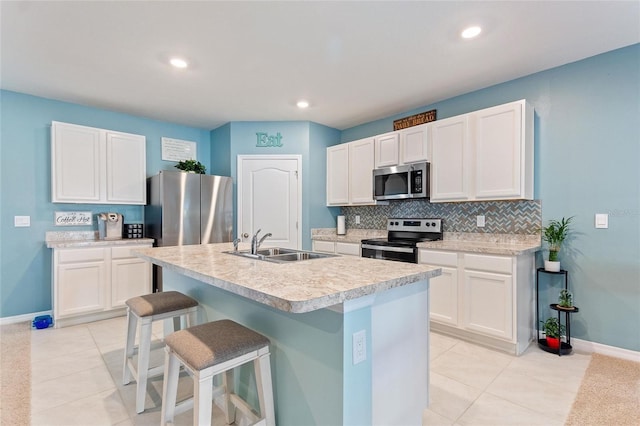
(501,217)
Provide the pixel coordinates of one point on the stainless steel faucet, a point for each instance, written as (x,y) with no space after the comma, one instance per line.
(235,244)
(255,243)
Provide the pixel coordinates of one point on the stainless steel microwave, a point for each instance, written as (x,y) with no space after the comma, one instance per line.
(401,182)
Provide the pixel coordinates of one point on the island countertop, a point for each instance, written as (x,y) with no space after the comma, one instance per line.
(295,287)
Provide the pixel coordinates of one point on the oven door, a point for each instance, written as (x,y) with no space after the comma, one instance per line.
(400,254)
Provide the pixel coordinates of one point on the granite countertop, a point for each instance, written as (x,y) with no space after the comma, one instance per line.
(352,236)
(295,287)
(79,239)
(501,244)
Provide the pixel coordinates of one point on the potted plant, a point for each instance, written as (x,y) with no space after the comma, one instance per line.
(554,234)
(191,166)
(553,330)
(565,300)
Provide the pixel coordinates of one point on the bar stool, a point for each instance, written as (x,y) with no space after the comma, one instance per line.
(207,350)
(146,309)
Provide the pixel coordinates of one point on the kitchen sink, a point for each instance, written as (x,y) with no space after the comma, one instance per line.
(280,255)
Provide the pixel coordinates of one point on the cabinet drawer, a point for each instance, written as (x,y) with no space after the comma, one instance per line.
(499,264)
(324,246)
(81,255)
(442,258)
(124,252)
(348,248)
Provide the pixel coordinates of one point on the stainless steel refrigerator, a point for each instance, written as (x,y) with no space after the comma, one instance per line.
(186,208)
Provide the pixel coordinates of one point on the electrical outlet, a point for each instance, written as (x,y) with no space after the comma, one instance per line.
(480,221)
(359,346)
(357,219)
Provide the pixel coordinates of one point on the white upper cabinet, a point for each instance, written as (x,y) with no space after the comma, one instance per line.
(75,163)
(504,152)
(361,159)
(387,150)
(451,159)
(97,166)
(126,168)
(484,155)
(414,144)
(350,173)
(338,175)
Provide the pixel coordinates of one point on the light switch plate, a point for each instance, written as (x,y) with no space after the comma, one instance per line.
(602,220)
(22,221)
(480,221)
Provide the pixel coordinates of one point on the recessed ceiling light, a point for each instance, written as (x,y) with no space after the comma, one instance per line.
(471,32)
(303,104)
(178,62)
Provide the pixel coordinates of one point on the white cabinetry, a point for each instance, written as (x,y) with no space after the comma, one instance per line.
(337,247)
(338,175)
(484,155)
(402,147)
(504,152)
(414,144)
(483,298)
(387,150)
(130,275)
(81,277)
(96,166)
(450,159)
(349,173)
(93,283)
(444,288)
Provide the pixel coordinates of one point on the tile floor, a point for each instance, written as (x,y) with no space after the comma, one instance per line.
(77,376)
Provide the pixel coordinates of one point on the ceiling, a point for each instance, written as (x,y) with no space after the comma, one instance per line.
(252,61)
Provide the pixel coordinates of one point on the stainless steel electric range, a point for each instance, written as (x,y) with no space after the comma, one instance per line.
(403,235)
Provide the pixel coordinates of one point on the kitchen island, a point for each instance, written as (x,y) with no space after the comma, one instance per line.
(310,310)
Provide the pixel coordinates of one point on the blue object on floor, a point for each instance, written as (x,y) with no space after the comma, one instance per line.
(42,321)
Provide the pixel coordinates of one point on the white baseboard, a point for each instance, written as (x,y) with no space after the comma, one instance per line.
(23,318)
(599,348)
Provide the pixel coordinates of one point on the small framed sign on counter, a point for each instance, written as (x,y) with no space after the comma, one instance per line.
(178,150)
(73,218)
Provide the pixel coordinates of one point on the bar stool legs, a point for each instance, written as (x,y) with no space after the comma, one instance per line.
(208,350)
(142,311)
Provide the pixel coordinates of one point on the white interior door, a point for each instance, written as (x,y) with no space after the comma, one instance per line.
(270,198)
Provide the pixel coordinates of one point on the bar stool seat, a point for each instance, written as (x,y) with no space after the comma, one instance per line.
(145,310)
(210,349)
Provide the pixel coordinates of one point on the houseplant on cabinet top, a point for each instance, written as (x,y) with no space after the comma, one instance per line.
(554,234)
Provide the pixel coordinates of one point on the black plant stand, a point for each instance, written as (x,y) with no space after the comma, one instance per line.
(565,347)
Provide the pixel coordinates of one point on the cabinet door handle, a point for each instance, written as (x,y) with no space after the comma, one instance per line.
(245,235)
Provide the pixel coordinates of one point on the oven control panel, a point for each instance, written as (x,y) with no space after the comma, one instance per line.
(415,225)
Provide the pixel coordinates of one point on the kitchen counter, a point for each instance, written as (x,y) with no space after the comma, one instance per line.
(78,239)
(312,311)
(296,287)
(352,235)
(500,244)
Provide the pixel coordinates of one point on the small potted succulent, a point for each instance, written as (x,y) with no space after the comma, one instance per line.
(191,166)
(553,331)
(554,234)
(565,300)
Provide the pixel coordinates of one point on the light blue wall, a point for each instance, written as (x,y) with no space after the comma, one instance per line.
(25,262)
(298,138)
(221,150)
(587,155)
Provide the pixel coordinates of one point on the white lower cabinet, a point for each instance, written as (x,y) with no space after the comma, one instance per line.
(93,283)
(130,276)
(351,249)
(486,299)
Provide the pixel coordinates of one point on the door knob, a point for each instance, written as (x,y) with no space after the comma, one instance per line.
(245,235)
